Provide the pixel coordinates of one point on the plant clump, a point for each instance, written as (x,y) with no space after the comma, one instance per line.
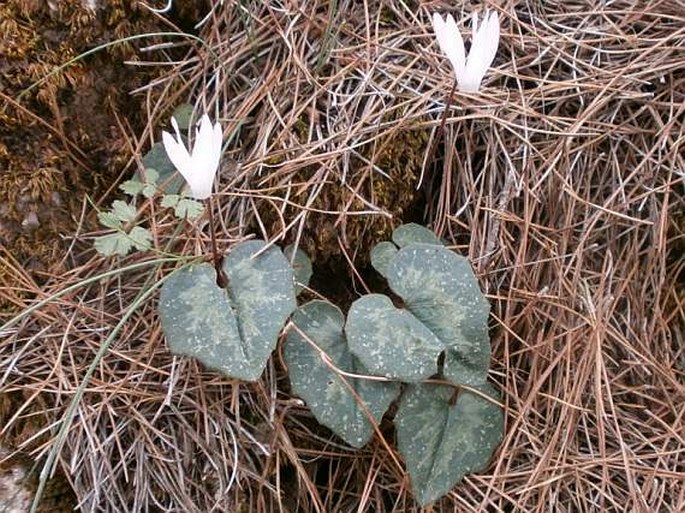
(560,181)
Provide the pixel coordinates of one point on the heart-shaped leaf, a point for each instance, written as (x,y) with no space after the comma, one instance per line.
(342,403)
(441,442)
(390,341)
(441,291)
(383,253)
(232,330)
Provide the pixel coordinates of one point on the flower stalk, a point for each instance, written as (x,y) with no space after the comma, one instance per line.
(217,258)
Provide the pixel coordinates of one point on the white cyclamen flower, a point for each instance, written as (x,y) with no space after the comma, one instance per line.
(484,41)
(199,167)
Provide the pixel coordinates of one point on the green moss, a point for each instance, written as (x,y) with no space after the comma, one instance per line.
(61,141)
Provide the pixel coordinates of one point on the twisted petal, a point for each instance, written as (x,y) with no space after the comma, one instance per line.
(209,144)
(450,42)
(483,49)
(198,168)
(176,150)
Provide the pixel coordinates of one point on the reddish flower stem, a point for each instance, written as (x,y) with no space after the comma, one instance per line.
(221,278)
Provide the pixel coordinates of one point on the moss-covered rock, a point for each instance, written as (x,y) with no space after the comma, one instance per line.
(399,156)
(63,137)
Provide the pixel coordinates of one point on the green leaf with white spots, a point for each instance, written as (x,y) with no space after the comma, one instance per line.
(442,441)
(391,341)
(439,289)
(443,311)
(302,266)
(382,255)
(412,233)
(232,330)
(342,403)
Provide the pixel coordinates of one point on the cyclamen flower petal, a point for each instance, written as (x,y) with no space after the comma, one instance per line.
(450,41)
(484,42)
(199,166)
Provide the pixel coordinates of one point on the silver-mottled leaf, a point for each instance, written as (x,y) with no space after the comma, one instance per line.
(329,395)
(381,256)
(441,291)
(441,443)
(412,233)
(302,266)
(390,341)
(198,320)
(231,330)
(262,293)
